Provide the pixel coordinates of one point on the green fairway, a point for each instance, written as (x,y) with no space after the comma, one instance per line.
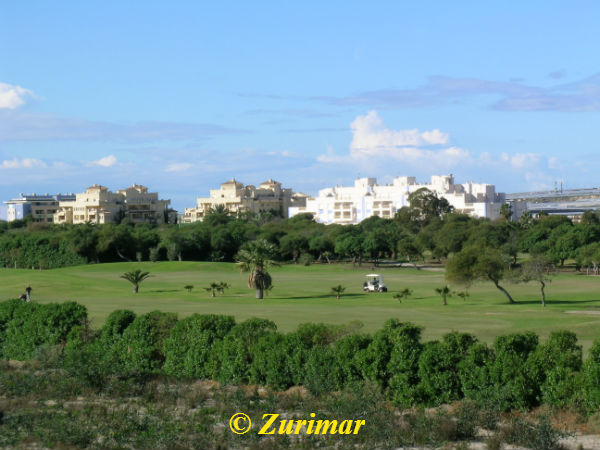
(302,294)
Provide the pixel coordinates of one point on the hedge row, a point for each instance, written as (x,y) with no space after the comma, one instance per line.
(517,371)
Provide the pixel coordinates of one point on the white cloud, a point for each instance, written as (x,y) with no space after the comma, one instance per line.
(25,163)
(11,96)
(372,139)
(521,160)
(107,161)
(370,133)
(178,167)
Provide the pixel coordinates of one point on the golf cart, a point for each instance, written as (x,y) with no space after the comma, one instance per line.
(374,283)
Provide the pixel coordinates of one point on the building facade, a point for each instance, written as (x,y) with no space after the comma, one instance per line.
(237,198)
(350,205)
(99,205)
(569,202)
(41,207)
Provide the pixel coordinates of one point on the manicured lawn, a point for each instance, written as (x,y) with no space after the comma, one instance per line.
(301,294)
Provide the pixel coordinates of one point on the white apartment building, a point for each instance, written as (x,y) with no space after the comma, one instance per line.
(350,205)
(41,207)
(236,198)
(99,205)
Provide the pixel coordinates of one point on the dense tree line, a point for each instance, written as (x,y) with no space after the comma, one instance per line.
(516,371)
(426,229)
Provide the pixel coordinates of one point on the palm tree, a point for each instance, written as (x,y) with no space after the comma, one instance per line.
(256,258)
(222,286)
(212,288)
(444,292)
(338,291)
(135,277)
(404,293)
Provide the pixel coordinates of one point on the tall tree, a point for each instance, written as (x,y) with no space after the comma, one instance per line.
(539,268)
(479,262)
(256,258)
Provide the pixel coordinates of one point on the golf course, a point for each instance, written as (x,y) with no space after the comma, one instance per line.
(303,294)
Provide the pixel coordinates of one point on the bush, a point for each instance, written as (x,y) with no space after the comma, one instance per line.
(231,359)
(438,368)
(553,367)
(588,395)
(141,348)
(474,373)
(404,364)
(269,361)
(317,378)
(374,361)
(348,353)
(513,385)
(191,341)
(28,326)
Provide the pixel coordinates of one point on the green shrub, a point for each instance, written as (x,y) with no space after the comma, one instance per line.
(404,364)
(317,377)
(513,384)
(32,325)
(588,395)
(189,346)
(141,348)
(269,361)
(438,368)
(374,361)
(232,357)
(116,324)
(553,367)
(474,373)
(348,353)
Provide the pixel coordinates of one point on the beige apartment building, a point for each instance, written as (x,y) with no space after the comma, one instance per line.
(99,205)
(237,198)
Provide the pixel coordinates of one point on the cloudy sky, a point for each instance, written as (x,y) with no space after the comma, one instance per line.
(181,96)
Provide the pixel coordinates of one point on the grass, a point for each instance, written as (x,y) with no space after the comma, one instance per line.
(302,294)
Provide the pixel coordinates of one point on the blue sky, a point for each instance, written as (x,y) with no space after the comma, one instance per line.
(181,96)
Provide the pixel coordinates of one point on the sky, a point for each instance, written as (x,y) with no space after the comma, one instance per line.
(182,96)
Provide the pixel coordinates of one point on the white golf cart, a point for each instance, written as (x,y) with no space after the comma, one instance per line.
(374,283)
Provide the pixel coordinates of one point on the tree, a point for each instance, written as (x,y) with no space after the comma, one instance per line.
(404,293)
(135,277)
(189,287)
(222,287)
(427,205)
(539,268)
(506,211)
(293,245)
(212,288)
(462,294)
(256,258)
(215,287)
(338,291)
(444,292)
(478,262)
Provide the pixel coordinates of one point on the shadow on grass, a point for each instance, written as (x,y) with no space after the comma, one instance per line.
(166,290)
(302,297)
(556,302)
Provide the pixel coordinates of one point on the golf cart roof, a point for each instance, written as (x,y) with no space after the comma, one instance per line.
(373,275)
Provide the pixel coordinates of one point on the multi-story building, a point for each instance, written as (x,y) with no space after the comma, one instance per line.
(350,205)
(41,207)
(99,205)
(569,202)
(237,198)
